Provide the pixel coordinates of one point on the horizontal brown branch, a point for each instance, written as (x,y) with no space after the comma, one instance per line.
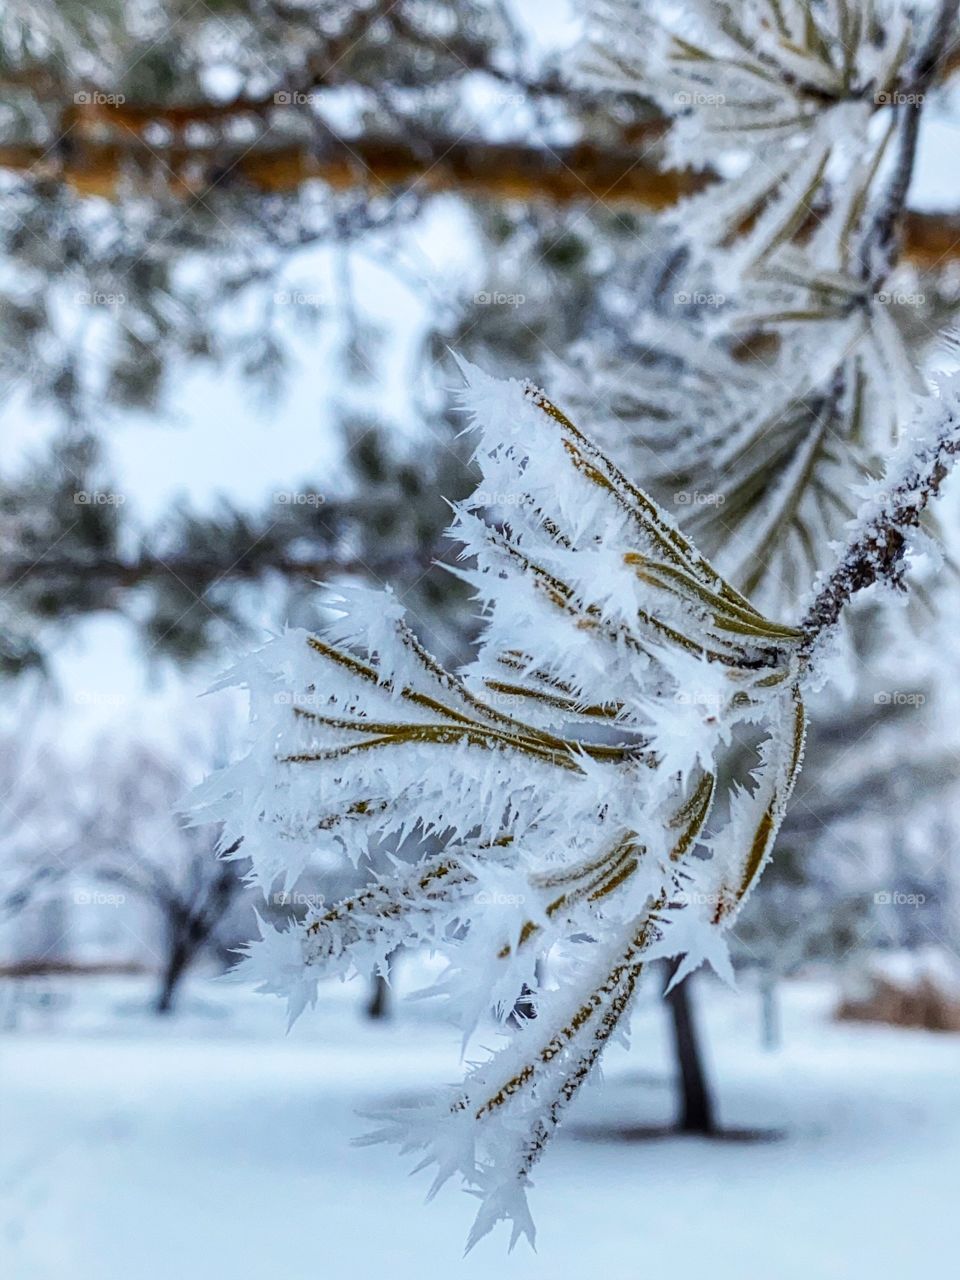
(586,173)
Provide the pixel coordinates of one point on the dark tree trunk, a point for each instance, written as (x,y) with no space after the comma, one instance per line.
(191,927)
(696,1112)
(379,1003)
(378,1006)
(177,963)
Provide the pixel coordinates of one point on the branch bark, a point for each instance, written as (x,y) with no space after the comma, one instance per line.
(878,543)
(586,173)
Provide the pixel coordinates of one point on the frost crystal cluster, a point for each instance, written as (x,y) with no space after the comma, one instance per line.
(572,793)
(562,785)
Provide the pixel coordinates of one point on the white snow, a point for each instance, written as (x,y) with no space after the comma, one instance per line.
(215,1146)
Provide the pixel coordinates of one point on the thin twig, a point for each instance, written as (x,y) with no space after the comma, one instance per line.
(876,550)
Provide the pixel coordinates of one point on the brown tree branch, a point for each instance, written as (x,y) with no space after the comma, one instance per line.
(587,173)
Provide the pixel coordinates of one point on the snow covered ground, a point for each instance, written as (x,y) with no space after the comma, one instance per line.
(215,1146)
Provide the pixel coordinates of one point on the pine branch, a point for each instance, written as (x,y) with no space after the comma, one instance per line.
(880,538)
(386,742)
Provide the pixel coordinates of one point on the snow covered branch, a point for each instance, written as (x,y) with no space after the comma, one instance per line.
(559,794)
(879,537)
(560,797)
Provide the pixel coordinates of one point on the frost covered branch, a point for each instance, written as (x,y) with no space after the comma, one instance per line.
(879,539)
(559,795)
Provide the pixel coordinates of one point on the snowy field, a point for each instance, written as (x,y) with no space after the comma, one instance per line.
(214,1146)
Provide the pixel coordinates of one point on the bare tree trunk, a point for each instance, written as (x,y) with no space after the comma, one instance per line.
(379,1003)
(192,926)
(696,1101)
(177,962)
(378,1006)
